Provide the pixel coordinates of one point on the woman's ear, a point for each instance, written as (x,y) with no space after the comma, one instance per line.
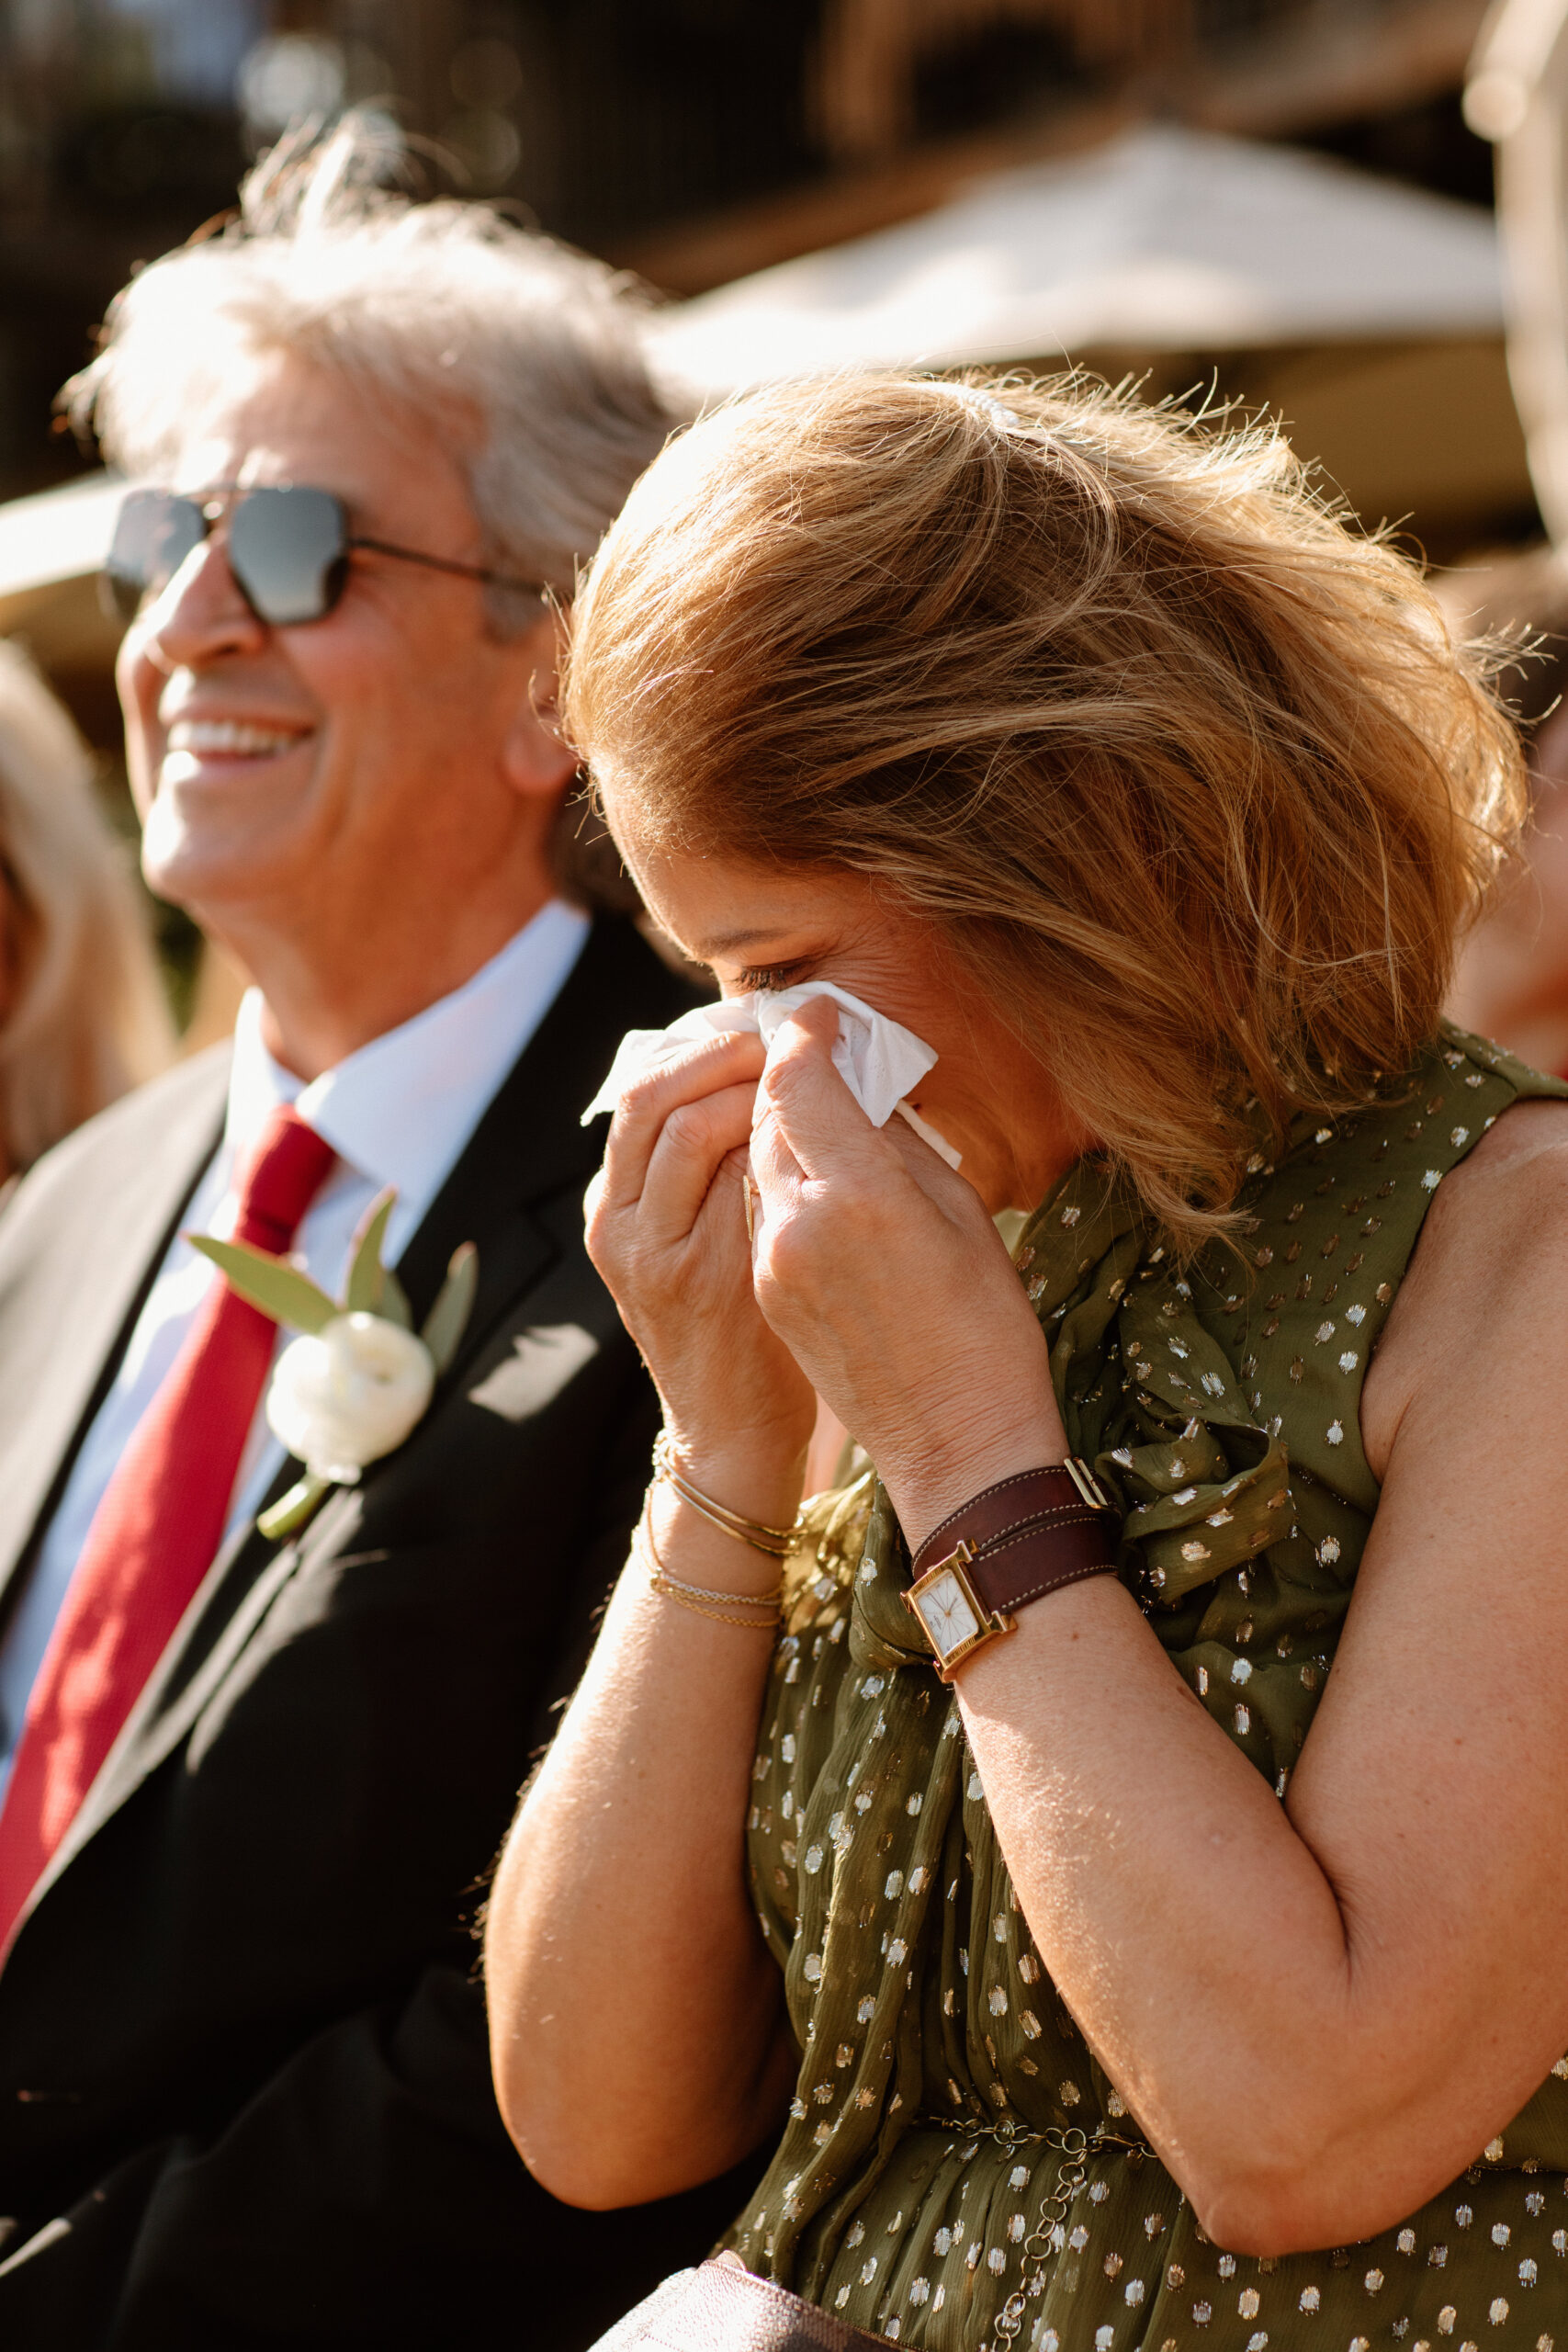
(536,760)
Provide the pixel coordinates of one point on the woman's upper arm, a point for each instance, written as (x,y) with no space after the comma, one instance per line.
(1433,1788)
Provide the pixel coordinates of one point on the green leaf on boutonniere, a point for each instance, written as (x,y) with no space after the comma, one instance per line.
(366,1275)
(395,1305)
(291,1510)
(445,1324)
(279,1290)
(372,1292)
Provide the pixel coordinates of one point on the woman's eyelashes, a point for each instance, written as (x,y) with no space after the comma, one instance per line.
(772,977)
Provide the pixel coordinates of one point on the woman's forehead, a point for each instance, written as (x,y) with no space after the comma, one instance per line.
(726,908)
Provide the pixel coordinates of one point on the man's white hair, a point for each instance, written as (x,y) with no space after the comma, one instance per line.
(529,355)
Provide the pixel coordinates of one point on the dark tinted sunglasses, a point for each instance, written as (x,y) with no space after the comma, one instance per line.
(287,548)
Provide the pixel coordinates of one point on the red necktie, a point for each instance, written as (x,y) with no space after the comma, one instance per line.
(155,1532)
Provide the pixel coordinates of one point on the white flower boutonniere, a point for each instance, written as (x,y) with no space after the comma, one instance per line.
(359,1379)
(349,1393)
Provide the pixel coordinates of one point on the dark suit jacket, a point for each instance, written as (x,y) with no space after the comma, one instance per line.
(244,2095)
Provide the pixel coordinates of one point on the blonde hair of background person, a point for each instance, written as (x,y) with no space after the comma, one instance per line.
(1512,977)
(1080,739)
(82,1014)
(556,416)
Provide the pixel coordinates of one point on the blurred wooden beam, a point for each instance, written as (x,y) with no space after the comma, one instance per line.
(870,53)
(691,257)
(1327,64)
(1333,65)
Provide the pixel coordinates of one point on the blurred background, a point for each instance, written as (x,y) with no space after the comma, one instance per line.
(1281,201)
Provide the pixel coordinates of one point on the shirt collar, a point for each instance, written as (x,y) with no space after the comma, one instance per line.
(402,1108)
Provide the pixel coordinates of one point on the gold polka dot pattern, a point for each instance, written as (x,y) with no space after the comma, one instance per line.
(957,2173)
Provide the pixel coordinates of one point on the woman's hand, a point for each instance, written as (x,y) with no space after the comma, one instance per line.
(639,1809)
(667,1230)
(882,1273)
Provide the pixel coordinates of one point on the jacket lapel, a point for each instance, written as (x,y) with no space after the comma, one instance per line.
(528,1147)
(69,1309)
(159,1721)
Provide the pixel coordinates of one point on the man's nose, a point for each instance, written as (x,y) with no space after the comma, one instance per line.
(200,614)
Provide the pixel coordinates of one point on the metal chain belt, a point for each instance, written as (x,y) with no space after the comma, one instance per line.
(1049,2234)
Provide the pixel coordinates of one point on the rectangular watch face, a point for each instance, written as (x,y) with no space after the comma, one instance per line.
(946,1614)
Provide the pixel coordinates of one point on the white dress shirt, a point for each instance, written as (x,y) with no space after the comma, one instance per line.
(398,1112)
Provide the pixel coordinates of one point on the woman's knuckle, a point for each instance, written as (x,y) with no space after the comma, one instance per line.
(690,1125)
(604,1259)
(643,1094)
(789,1250)
(780,1075)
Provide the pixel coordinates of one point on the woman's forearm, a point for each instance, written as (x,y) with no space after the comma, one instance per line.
(1266,2025)
(636,2017)
(1182,1920)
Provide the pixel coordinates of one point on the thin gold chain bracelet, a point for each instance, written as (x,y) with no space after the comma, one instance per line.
(700,1598)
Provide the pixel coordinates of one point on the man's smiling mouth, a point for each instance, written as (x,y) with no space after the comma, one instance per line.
(231,738)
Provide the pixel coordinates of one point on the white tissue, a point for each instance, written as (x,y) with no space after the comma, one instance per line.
(879,1060)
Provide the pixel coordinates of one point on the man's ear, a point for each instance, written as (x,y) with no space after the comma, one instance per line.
(537,763)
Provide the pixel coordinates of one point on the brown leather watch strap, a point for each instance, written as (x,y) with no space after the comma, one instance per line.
(1039,1560)
(1027,1535)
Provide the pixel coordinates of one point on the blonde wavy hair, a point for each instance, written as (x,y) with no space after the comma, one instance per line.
(82,1014)
(1185,767)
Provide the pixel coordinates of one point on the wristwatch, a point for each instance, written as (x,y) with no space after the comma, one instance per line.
(1012,1543)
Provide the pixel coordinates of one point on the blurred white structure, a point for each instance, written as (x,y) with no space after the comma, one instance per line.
(1163,240)
(51,547)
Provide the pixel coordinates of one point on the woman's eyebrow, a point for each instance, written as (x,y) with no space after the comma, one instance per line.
(731,942)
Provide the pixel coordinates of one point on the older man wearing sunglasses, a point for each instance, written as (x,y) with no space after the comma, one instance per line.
(255,1762)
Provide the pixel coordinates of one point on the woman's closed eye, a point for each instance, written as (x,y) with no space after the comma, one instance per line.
(772,977)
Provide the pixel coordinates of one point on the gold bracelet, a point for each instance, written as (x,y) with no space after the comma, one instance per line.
(697,1598)
(773,1602)
(776,1543)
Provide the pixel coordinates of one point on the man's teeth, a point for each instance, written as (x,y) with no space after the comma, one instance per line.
(229,735)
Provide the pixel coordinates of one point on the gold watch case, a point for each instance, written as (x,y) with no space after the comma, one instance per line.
(956,1620)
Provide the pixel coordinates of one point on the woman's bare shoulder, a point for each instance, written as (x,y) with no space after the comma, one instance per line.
(1489,1273)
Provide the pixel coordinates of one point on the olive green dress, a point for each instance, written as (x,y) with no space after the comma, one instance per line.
(957,2172)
